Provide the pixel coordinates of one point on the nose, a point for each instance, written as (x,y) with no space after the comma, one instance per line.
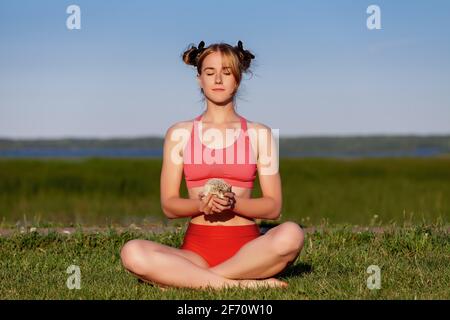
(219,78)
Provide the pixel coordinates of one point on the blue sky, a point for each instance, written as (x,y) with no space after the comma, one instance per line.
(318,69)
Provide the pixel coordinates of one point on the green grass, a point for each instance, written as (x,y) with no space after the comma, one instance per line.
(414,264)
(123,191)
(409,197)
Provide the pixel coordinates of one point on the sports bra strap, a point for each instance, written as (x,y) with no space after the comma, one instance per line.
(243,123)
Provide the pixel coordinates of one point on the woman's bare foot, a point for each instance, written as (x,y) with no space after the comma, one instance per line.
(265,283)
(154,284)
(245,284)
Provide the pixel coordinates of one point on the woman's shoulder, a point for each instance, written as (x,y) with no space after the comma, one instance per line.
(257,132)
(178,134)
(257,126)
(180,126)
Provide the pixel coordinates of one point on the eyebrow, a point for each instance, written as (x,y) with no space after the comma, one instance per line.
(214,68)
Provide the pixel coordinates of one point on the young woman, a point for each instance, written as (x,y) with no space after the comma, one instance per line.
(222,246)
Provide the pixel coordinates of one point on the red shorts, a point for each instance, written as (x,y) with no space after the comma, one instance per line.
(218,243)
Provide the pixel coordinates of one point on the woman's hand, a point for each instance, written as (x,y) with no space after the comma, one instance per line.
(220,205)
(213,204)
(206,203)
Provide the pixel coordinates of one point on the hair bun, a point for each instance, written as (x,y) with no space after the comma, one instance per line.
(244,55)
(194,53)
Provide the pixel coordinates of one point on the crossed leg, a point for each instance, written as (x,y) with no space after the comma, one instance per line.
(264,256)
(168,266)
(261,258)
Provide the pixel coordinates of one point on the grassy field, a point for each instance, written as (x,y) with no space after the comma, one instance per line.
(407,198)
(414,263)
(124,191)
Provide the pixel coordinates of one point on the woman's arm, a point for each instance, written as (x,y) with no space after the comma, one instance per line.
(177,207)
(267,207)
(270,204)
(171,173)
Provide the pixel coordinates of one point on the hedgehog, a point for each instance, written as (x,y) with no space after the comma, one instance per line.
(216,186)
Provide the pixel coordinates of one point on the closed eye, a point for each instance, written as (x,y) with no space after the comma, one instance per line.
(211,74)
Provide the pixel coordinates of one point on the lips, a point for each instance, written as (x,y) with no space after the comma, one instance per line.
(218,89)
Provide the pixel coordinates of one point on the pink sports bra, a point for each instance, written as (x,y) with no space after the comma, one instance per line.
(234,164)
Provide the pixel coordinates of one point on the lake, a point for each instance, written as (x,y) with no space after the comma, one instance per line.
(157,153)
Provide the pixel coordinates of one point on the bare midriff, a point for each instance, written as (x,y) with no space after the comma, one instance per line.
(226,217)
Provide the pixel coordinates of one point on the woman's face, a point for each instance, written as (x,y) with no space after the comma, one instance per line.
(214,76)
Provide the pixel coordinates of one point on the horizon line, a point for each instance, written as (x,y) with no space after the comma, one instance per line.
(349,135)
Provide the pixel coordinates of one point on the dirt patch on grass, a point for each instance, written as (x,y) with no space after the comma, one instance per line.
(157,229)
(88,230)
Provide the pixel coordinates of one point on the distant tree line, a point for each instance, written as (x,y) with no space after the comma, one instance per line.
(288,145)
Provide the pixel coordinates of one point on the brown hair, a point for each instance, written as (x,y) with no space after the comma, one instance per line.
(238,58)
